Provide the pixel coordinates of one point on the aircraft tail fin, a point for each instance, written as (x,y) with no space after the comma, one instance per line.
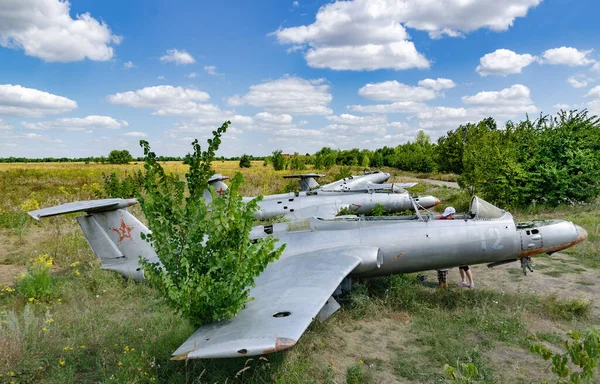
(112,232)
(216,181)
(307,180)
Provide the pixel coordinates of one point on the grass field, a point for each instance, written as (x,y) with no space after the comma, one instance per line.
(94,326)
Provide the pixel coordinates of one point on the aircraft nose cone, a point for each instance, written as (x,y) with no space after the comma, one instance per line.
(437,201)
(581,233)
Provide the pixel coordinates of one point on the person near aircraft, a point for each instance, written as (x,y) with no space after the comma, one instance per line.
(465,271)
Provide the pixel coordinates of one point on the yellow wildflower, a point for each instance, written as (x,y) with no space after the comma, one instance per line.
(61,362)
(74,264)
(119,364)
(31,299)
(44,329)
(361,362)
(10,373)
(50,320)
(82,347)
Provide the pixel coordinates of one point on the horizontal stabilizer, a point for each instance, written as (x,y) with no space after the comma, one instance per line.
(88,206)
(307,180)
(217,177)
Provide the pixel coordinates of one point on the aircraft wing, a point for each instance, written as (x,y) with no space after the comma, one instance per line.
(287,296)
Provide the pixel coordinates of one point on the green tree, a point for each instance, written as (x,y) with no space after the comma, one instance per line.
(279,162)
(245,161)
(208,260)
(119,157)
(416,156)
(298,162)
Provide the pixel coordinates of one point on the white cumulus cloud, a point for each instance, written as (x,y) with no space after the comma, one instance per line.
(128,65)
(288,95)
(562,106)
(397,107)
(503,62)
(135,134)
(371,34)
(357,125)
(16,100)
(579,81)
(594,92)
(211,70)
(45,29)
(192,75)
(178,57)
(438,84)
(570,56)
(78,124)
(4,125)
(505,103)
(395,91)
(165,100)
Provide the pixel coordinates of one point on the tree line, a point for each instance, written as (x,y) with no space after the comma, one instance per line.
(550,160)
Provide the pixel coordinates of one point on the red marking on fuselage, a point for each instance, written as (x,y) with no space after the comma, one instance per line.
(124,231)
(220,191)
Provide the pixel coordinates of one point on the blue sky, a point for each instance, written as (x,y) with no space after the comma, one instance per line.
(84,77)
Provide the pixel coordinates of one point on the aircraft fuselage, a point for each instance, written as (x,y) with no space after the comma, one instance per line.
(412,245)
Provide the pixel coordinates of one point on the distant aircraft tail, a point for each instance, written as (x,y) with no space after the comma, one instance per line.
(112,232)
(307,180)
(216,181)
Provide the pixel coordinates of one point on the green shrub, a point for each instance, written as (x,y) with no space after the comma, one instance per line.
(127,187)
(378,210)
(279,162)
(581,351)
(208,260)
(355,374)
(37,283)
(245,161)
(462,374)
(567,309)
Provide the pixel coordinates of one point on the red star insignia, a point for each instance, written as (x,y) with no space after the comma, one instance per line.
(220,191)
(124,231)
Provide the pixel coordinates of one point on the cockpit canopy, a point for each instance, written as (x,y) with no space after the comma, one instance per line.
(482,210)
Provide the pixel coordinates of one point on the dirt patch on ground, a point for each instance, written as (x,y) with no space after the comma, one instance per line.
(8,272)
(518,366)
(375,342)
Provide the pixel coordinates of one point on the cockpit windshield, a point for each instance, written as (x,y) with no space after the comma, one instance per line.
(482,210)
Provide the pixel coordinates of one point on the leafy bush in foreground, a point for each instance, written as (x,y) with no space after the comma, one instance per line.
(208,260)
(582,351)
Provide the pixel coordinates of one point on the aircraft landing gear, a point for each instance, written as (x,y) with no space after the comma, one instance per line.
(525,265)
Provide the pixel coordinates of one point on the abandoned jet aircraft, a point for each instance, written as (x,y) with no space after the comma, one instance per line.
(370,180)
(319,255)
(327,203)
